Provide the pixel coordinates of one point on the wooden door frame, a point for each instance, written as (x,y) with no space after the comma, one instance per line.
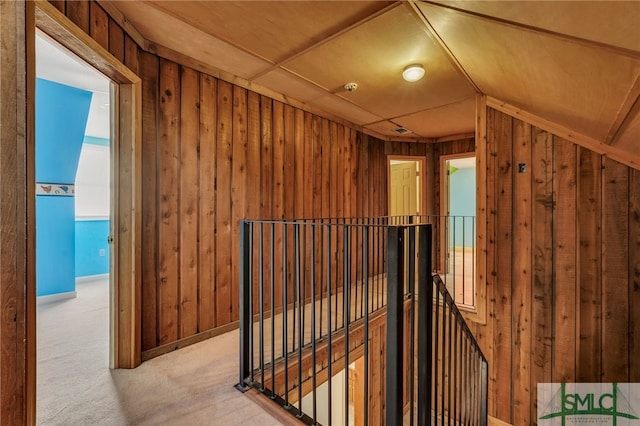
(422,202)
(444,198)
(125,318)
(477,313)
(443,160)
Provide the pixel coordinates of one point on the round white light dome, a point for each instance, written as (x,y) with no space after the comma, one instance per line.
(413,72)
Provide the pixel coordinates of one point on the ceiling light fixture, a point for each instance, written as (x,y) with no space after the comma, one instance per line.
(413,72)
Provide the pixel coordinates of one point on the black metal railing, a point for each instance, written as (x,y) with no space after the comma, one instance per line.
(317,294)
(454,252)
(447,380)
(458,383)
(299,278)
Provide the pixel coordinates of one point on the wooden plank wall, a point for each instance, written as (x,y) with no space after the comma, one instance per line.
(214,153)
(563,237)
(222,153)
(563,259)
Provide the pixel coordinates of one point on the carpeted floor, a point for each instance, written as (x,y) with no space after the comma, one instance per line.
(192,386)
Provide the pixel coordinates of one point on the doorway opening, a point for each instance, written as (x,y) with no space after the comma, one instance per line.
(125,182)
(73,198)
(458,210)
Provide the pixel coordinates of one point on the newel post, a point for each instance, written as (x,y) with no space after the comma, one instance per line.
(395,331)
(425,324)
(245,304)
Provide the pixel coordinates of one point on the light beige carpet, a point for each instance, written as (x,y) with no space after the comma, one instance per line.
(192,386)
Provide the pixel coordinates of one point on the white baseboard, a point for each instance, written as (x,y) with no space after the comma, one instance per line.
(89,278)
(41,300)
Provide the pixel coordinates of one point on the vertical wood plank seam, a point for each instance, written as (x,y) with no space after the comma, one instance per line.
(578,257)
(513,206)
(198,211)
(601,220)
(157,199)
(578,269)
(630,281)
(554,252)
(178,102)
(528,308)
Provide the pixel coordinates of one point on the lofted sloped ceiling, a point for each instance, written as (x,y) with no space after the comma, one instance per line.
(573,64)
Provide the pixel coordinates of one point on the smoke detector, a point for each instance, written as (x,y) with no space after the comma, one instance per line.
(350,87)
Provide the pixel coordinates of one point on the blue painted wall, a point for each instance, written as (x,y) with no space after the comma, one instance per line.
(92,250)
(463,203)
(92,209)
(61,119)
(55,230)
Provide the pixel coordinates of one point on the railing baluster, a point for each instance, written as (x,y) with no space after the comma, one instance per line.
(464,259)
(456,368)
(453,257)
(436,367)
(329,332)
(473,389)
(302,313)
(470,383)
(358,266)
(473,263)
(301,309)
(345,314)
(449,373)
(251,302)
(366,326)
(444,357)
(261,319)
(335,327)
(285,341)
(465,379)
(484,382)
(313,325)
(273,324)
(294,295)
(378,263)
(321,275)
(363,256)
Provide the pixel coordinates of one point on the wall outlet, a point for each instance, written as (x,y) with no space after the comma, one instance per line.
(102,252)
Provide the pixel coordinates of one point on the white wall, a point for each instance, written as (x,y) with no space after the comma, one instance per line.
(93,183)
(322,401)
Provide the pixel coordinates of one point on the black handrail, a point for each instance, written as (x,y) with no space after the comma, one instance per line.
(310,290)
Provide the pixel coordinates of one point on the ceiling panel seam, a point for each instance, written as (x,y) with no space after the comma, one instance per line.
(224,40)
(566,37)
(280,64)
(440,42)
(628,110)
(459,101)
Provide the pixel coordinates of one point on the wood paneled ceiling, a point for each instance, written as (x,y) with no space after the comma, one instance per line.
(574,64)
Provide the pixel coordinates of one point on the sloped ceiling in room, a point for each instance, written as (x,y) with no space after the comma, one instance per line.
(55,63)
(573,64)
